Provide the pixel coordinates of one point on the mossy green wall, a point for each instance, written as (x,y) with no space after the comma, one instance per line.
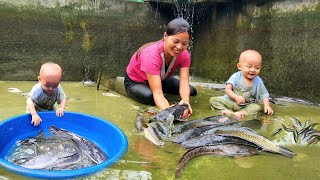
(101,39)
(103,35)
(285,33)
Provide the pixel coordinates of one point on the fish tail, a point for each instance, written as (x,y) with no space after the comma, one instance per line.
(178,172)
(190,154)
(286,152)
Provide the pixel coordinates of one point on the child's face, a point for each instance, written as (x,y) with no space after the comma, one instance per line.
(250,66)
(49,83)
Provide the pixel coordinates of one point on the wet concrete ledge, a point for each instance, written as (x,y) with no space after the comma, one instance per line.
(117,84)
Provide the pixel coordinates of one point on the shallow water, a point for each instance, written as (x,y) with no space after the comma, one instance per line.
(145,161)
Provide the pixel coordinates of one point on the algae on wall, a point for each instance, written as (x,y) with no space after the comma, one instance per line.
(82,38)
(286,33)
(102,35)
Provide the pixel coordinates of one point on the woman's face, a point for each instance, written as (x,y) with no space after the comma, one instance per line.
(175,44)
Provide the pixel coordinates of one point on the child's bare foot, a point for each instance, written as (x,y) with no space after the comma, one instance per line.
(239,114)
(226,112)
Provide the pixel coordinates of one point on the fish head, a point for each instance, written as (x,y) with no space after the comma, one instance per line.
(53,129)
(176,111)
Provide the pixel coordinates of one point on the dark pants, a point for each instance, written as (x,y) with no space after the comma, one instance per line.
(143,94)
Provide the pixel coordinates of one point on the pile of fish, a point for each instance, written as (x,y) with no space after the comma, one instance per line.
(215,135)
(62,150)
(300,134)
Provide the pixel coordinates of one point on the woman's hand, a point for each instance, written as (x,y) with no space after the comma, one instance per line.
(187,113)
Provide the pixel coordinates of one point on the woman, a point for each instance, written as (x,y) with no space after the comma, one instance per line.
(148,73)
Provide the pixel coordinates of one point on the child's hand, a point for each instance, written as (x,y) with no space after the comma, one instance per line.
(240,100)
(268,110)
(60,112)
(36,120)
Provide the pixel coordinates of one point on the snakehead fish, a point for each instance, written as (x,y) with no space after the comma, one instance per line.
(219,150)
(174,112)
(252,136)
(211,120)
(160,129)
(191,133)
(212,139)
(150,134)
(144,117)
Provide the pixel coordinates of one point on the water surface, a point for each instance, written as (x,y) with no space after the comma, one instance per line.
(145,161)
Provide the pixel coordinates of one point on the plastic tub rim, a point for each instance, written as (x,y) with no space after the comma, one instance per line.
(63,174)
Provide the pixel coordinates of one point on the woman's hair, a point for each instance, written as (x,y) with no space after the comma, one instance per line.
(178,25)
(175,26)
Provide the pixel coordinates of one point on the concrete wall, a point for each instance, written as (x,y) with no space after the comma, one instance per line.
(82,37)
(285,32)
(101,35)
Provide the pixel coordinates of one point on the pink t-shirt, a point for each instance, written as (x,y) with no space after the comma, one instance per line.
(151,61)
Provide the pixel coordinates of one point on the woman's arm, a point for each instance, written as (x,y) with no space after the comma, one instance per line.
(184,90)
(156,88)
(184,85)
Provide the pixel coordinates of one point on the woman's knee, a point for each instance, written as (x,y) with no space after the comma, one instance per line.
(141,94)
(193,91)
(147,98)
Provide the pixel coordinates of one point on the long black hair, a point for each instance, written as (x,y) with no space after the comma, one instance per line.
(175,26)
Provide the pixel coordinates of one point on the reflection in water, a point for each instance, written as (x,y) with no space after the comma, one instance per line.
(146,150)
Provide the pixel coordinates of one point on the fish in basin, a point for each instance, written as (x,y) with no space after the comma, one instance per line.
(62,150)
(91,151)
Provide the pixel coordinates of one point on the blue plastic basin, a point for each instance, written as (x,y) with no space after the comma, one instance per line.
(108,137)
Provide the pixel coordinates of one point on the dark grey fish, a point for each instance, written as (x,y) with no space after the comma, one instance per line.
(211,120)
(160,130)
(297,122)
(192,124)
(307,128)
(94,152)
(212,139)
(152,136)
(308,133)
(295,134)
(276,132)
(54,156)
(313,139)
(219,150)
(174,112)
(286,128)
(191,133)
(144,117)
(306,123)
(140,124)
